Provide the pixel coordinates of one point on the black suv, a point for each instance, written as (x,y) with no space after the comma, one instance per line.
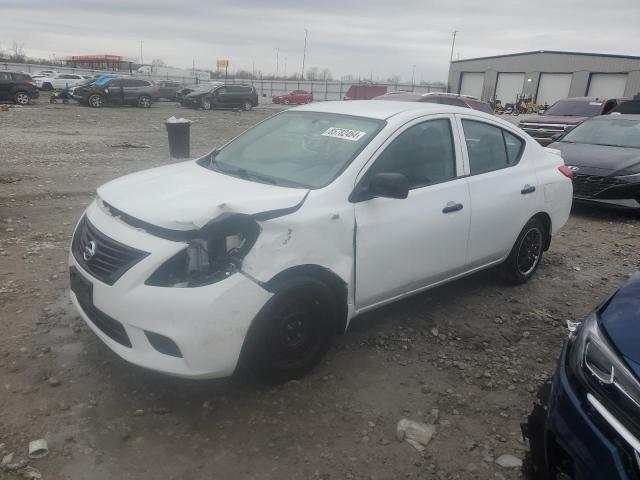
(118,91)
(169,89)
(17,87)
(221,97)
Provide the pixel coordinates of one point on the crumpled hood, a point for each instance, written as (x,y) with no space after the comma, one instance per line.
(186,196)
(621,320)
(600,159)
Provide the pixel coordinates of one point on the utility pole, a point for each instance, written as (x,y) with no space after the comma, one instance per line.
(304,53)
(285,68)
(453,43)
(141,60)
(277,61)
(413,76)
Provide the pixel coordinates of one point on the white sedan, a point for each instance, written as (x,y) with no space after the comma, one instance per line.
(258,253)
(58,81)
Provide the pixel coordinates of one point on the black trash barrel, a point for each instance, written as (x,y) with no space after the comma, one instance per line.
(178,132)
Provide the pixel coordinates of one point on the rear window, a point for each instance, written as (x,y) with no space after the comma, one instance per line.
(21,77)
(631,107)
(480,106)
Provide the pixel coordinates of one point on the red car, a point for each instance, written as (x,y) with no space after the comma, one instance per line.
(297,96)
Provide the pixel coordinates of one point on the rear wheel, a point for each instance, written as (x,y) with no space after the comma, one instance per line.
(95,101)
(47,87)
(247,105)
(21,98)
(144,101)
(308,100)
(292,332)
(526,254)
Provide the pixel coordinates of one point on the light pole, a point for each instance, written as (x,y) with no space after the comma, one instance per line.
(285,68)
(141,61)
(304,53)
(453,43)
(413,77)
(277,61)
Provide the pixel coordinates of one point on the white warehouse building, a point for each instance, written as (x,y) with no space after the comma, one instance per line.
(546,76)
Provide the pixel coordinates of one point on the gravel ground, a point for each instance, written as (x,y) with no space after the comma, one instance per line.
(468,357)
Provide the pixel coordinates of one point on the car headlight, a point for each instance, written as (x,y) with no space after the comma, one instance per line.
(213,255)
(597,364)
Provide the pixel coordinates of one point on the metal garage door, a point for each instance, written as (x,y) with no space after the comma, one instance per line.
(607,85)
(553,87)
(471,84)
(509,86)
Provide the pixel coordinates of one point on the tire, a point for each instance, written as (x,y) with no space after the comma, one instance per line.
(95,101)
(206,103)
(292,332)
(21,98)
(526,254)
(286,101)
(47,87)
(144,101)
(308,100)
(247,105)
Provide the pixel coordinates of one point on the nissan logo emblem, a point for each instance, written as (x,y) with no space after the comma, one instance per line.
(89,251)
(573,169)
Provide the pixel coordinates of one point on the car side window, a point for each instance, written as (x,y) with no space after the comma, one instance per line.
(5,76)
(424,153)
(490,147)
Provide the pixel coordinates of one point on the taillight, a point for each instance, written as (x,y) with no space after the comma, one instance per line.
(566,171)
(32,82)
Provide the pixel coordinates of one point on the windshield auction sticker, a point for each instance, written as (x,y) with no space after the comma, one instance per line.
(344,134)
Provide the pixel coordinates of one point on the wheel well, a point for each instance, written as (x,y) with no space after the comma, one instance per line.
(546,221)
(329,278)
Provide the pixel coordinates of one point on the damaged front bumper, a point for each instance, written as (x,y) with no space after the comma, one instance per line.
(187,332)
(580,441)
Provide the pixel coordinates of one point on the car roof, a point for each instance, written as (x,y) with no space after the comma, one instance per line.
(584,99)
(377,109)
(614,116)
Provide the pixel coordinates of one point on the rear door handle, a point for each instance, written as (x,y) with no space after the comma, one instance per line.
(528,189)
(452,207)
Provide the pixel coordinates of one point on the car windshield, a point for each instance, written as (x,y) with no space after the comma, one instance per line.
(573,108)
(296,149)
(201,88)
(611,131)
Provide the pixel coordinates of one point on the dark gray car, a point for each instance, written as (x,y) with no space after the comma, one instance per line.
(169,89)
(604,155)
(121,91)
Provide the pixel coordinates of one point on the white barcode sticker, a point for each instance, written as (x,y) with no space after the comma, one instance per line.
(344,133)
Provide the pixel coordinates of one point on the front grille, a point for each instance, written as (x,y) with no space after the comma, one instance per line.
(109,326)
(542,130)
(592,185)
(103,257)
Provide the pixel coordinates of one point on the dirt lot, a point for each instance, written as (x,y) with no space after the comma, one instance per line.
(475,351)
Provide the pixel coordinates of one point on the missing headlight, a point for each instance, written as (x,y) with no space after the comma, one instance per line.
(213,255)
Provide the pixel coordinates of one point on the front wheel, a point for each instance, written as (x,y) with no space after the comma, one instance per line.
(292,332)
(95,101)
(287,101)
(21,98)
(246,106)
(144,101)
(526,254)
(206,104)
(47,87)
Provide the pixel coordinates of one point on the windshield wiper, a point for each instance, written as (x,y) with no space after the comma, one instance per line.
(255,176)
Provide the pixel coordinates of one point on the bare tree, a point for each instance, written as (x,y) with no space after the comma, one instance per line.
(17,52)
(313,73)
(393,79)
(325,74)
(158,62)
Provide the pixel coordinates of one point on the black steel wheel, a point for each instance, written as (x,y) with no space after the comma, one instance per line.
(144,101)
(526,254)
(292,332)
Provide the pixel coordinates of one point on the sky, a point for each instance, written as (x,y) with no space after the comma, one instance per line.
(365,38)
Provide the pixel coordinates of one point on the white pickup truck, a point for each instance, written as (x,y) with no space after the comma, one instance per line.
(59,81)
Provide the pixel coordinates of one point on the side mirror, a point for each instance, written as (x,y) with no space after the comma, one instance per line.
(389,185)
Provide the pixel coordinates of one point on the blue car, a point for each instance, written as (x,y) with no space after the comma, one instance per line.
(592,427)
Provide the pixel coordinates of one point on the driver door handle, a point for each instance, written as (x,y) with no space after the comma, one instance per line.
(528,189)
(452,207)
